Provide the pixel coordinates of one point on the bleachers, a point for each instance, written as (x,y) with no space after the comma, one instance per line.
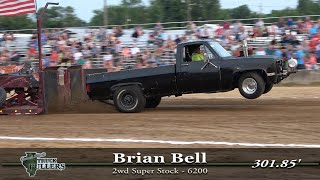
(265,41)
(127,41)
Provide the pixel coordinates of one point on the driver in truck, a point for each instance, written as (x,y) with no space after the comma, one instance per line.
(197,55)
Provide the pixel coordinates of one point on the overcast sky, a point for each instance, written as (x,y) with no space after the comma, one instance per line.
(84,8)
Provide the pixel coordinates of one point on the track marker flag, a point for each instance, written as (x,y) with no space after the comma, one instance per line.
(17,7)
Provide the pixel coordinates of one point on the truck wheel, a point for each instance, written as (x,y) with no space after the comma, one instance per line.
(268,88)
(251,85)
(3,96)
(129,99)
(153,102)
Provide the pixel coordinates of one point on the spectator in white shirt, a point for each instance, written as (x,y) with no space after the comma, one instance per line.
(237,26)
(108,63)
(78,55)
(261,52)
(108,57)
(260,24)
(273,29)
(135,50)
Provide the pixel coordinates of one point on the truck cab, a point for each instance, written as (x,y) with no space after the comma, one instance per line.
(202,75)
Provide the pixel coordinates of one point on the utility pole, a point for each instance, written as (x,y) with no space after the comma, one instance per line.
(260,7)
(105,14)
(189,10)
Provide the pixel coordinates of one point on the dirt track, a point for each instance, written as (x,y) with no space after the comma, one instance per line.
(286,115)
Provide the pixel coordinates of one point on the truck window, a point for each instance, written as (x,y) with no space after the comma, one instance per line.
(219,49)
(186,54)
(195,52)
(209,53)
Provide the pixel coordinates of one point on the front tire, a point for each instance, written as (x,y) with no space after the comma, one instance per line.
(251,85)
(129,99)
(153,102)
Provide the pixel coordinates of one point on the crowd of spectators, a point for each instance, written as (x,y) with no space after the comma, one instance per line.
(305,50)
(100,46)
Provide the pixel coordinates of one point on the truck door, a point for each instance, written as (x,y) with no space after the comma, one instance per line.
(198,76)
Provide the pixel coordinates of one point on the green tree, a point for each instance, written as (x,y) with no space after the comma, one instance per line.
(158,11)
(131,2)
(16,22)
(58,17)
(206,9)
(117,16)
(284,12)
(97,19)
(225,14)
(70,19)
(168,10)
(308,7)
(241,12)
(155,12)
(177,11)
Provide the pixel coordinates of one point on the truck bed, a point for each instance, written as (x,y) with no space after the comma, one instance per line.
(157,81)
(132,74)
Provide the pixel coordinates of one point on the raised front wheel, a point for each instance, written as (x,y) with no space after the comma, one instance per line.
(251,85)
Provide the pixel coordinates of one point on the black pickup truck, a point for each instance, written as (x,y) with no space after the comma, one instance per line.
(134,90)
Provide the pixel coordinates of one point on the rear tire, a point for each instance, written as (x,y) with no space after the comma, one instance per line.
(251,85)
(268,88)
(129,99)
(153,102)
(3,96)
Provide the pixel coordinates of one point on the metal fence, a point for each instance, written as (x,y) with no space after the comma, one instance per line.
(213,21)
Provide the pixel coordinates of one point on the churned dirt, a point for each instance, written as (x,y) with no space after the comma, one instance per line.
(287,115)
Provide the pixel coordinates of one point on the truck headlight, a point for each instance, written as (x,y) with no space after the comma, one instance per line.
(292,63)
